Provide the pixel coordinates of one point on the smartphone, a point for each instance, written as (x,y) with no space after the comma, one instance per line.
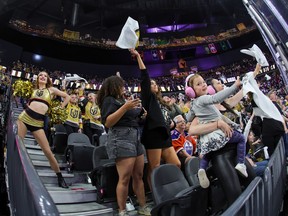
(134,96)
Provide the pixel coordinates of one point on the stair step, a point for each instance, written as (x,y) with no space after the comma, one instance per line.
(49,177)
(38,157)
(81,209)
(76,193)
(29,146)
(46,164)
(51,173)
(28,135)
(35,152)
(30,141)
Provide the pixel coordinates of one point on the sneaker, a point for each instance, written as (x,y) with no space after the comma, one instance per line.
(241,168)
(203,180)
(145,210)
(123,213)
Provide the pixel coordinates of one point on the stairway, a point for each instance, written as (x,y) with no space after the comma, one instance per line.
(79,198)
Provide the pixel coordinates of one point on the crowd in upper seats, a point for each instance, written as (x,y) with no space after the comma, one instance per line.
(145,43)
(172,82)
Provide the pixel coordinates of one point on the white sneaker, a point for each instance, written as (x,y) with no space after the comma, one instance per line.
(123,213)
(241,167)
(145,210)
(203,180)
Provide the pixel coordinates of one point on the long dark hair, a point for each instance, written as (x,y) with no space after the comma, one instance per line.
(110,87)
(160,97)
(224,104)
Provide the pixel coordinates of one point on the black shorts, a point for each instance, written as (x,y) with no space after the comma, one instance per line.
(33,120)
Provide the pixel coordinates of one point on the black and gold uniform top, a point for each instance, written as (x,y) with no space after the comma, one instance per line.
(41,95)
(92,111)
(74,116)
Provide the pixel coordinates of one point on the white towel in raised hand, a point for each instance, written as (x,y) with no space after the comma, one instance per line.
(256,52)
(75,77)
(128,38)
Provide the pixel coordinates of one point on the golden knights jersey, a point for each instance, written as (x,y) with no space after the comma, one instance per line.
(74,115)
(92,111)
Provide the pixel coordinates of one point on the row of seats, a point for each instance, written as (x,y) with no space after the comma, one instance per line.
(171,187)
(59,138)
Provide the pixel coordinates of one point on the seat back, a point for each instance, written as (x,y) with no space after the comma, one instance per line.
(104,175)
(60,128)
(167,180)
(78,139)
(173,196)
(95,140)
(100,156)
(191,171)
(59,139)
(79,152)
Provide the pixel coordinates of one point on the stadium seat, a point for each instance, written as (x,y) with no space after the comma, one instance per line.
(173,195)
(79,152)
(104,175)
(59,139)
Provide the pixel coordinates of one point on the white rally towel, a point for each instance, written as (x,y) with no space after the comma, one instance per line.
(128,38)
(262,101)
(256,52)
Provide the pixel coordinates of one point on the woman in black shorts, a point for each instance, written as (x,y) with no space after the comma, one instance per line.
(32,118)
(121,118)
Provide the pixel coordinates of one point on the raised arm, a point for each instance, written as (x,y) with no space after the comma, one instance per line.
(64,95)
(139,59)
(235,99)
(257,70)
(220,96)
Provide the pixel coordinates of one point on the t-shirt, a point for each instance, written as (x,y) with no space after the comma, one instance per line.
(181,142)
(111,105)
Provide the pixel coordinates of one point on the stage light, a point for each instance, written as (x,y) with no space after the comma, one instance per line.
(37,57)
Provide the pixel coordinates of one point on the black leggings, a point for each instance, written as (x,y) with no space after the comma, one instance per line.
(272,131)
(90,131)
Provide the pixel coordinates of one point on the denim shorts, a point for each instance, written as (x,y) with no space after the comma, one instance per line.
(124,142)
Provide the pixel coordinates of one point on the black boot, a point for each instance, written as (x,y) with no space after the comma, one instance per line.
(61,181)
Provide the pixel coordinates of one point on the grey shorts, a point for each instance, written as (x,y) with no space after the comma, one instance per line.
(124,142)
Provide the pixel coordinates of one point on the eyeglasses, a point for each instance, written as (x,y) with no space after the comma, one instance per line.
(181,121)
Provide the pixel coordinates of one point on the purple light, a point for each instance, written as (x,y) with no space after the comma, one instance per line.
(179,27)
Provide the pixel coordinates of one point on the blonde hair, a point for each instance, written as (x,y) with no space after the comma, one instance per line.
(191,80)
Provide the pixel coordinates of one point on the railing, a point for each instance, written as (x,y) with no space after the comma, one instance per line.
(28,195)
(263,197)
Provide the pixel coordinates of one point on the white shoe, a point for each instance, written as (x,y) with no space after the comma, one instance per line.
(145,210)
(203,180)
(241,168)
(123,213)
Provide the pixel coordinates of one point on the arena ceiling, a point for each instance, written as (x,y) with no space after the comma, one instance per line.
(104,18)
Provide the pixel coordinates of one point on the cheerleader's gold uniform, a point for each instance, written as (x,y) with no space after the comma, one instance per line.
(33,120)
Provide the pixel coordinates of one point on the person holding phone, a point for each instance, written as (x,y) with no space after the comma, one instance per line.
(121,118)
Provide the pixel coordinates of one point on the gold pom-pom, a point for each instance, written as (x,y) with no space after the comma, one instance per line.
(22,88)
(57,114)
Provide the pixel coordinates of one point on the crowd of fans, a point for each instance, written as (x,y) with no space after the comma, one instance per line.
(88,117)
(174,83)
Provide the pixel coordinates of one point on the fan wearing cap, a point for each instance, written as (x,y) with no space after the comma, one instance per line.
(203,108)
